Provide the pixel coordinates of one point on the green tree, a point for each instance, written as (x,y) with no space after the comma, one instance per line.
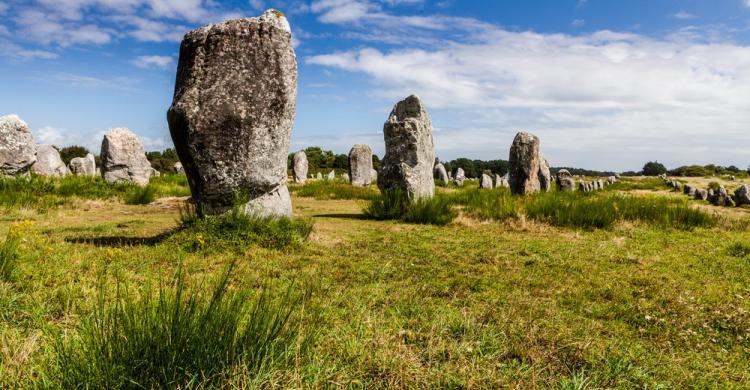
(70,152)
(654,168)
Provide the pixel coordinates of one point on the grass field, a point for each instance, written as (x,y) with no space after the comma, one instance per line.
(490,300)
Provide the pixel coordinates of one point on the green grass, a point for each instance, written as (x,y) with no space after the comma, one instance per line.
(625,184)
(497,204)
(395,204)
(9,253)
(739,249)
(333,190)
(179,338)
(238,231)
(42,193)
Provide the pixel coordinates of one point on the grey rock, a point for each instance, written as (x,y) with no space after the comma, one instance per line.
(565,181)
(611,180)
(17,147)
(360,165)
(742,194)
(545,177)
(48,162)
(722,198)
(486,182)
(178,167)
(300,167)
(460,177)
(155,172)
(331,175)
(440,173)
(700,194)
(690,191)
(677,185)
(233,112)
(409,151)
(374,175)
(124,158)
(524,161)
(345,177)
(83,166)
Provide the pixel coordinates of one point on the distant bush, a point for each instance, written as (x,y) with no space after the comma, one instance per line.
(654,168)
(178,338)
(237,230)
(333,190)
(395,204)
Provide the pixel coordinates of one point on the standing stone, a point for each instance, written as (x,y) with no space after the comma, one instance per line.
(83,166)
(545,177)
(233,111)
(565,181)
(611,180)
(677,186)
(124,158)
(155,172)
(360,165)
(486,182)
(300,167)
(440,174)
(600,184)
(331,175)
(460,177)
(17,147)
(701,194)
(722,198)
(48,162)
(178,167)
(345,177)
(319,176)
(742,194)
(374,175)
(409,151)
(524,164)
(498,181)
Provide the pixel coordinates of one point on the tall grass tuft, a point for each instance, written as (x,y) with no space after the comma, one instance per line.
(497,204)
(141,195)
(395,204)
(333,190)
(179,338)
(237,230)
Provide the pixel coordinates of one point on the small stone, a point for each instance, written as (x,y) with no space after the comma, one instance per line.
(742,194)
(565,181)
(178,167)
(124,158)
(486,182)
(460,177)
(440,173)
(300,167)
(48,162)
(84,166)
(360,165)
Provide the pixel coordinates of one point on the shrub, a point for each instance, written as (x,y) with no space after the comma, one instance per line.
(237,230)
(654,168)
(178,338)
(395,204)
(739,249)
(141,195)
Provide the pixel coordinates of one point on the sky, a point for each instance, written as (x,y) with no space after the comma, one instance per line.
(605,84)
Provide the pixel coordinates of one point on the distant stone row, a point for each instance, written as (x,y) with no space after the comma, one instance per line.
(717,197)
(123,157)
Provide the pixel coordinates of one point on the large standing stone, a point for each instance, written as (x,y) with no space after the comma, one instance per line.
(300,167)
(524,161)
(83,166)
(360,165)
(409,151)
(440,173)
(545,177)
(48,162)
(498,181)
(486,182)
(742,194)
(17,148)
(565,181)
(233,111)
(460,177)
(124,158)
(701,194)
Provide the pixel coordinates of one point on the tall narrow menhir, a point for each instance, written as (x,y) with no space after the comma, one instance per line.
(233,111)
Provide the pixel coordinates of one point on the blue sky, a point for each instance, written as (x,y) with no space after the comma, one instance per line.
(606,84)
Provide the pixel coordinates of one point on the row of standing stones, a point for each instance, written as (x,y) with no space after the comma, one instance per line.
(231,121)
(717,197)
(123,157)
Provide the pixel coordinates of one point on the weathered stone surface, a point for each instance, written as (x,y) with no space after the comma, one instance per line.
(360,165)
(319,176)
(460,177)
(486,182)
(331,175)
(178,167)
(690,191)
(611,180)
(83,166)
(155,172)
(233,112)
(545,177)
(565,181)
(524,161)
(440,173)
(300,167)
(17,147)
(48,162)
(722,198)
(124,158)
(498,181)
(700,194)
(374,175)
(409,151)
(677,186)
(742,194)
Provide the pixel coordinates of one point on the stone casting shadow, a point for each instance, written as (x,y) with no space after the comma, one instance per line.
(123,241)
(341,216)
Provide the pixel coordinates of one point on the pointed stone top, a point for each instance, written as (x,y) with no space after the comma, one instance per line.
(271,17)
(12,120)
(411,107)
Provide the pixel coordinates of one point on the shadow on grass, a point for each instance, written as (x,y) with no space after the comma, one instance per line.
(123,241)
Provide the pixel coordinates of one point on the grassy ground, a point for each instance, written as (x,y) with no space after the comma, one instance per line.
(474,304)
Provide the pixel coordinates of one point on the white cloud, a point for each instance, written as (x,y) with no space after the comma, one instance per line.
(161,62)
(606,100)
(43,28)
(578,23)
(747,3)
(257,5)
(682,15)
(50,135)
(126,84)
